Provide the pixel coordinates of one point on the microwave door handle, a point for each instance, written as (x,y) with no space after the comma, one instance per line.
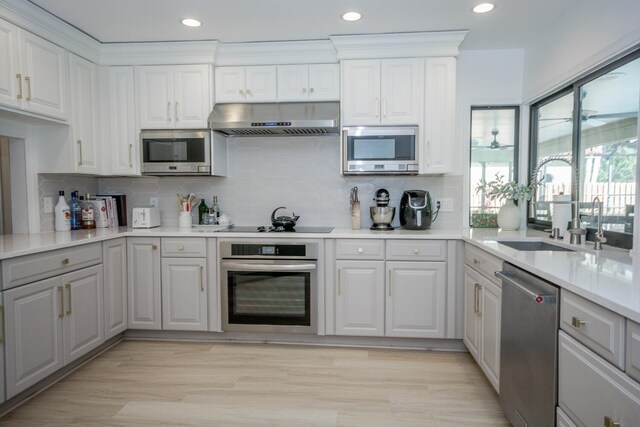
(238,266)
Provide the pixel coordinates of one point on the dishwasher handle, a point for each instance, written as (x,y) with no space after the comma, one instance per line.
(538,298)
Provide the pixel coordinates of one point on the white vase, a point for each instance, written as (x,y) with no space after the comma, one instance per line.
(509,216)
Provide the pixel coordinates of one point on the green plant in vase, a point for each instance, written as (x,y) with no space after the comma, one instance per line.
(509,191)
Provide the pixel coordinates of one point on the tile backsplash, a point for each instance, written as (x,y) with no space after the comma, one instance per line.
(302,174)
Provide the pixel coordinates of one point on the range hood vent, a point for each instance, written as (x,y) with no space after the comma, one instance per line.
(276,119)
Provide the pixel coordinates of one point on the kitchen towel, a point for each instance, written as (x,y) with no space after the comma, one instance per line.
(561,212)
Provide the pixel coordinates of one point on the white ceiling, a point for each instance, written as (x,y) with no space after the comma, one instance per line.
(510,25)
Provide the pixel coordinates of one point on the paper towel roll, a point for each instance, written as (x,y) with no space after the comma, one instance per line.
(561,213)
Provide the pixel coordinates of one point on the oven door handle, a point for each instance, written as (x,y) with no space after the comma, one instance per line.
(267,267)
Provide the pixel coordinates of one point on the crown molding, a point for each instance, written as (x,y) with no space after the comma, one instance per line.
(33,19)
(398,45)
(285,52)
(158,53)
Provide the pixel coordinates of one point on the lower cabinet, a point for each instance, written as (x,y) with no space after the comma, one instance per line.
(50,324)
(143,299)
(184,294)
(3,395)
(114,256)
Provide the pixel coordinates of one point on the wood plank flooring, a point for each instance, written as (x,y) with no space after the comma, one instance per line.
(179,383)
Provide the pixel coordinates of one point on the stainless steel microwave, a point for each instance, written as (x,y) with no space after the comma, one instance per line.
(176,152)
(377,150)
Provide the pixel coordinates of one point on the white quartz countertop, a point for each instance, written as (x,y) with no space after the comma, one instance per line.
(610,277)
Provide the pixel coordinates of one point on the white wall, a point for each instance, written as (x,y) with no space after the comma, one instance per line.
(578,40)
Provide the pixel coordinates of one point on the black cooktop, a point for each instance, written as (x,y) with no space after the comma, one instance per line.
(271,229)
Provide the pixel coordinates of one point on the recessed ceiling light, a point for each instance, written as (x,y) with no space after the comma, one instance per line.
(351,16)
(190,22)
(484,8)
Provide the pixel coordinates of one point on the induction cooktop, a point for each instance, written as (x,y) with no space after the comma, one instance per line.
(272,229)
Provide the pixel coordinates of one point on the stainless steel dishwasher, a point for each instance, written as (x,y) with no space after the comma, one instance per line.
(528,348)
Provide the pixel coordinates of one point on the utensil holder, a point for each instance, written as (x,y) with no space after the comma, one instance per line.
(185,220)
(355,216)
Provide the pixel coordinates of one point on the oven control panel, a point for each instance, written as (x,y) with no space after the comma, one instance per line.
(268,250)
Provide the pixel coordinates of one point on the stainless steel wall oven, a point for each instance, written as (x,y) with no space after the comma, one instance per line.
(269,287)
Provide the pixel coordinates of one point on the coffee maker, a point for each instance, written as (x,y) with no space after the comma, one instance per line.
(382,214)
(415,210)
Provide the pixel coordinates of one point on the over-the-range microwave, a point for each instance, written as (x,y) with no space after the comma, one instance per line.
(379,150)
(176,152)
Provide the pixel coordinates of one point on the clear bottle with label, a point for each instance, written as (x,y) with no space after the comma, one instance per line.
(88,214)
(76,211)
(215,207)
(62,214)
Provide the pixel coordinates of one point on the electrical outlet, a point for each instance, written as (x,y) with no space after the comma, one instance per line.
(446,205)
(47,204)
(154,202)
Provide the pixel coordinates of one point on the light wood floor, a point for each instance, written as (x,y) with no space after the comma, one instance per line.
(157,383)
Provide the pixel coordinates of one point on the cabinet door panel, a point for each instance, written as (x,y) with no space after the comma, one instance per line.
(84,107)
(192,96)
(84,316)
(471,316)
(293,82)
(324,82)
(401,91)
(261,84)
(123,137)
(9,65)
(360,298)
(33,333)
(156,107)
(184,294)
(45,65)
(230,84)
(416,299)
(361,92)
(115,287)
(143,299)
(490,326)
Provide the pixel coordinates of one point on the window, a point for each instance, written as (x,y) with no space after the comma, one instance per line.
(494,148)
(593,123)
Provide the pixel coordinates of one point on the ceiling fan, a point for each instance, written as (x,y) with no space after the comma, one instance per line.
(590,117)
(495,144)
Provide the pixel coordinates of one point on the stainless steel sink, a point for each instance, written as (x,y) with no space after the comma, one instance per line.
(522,245)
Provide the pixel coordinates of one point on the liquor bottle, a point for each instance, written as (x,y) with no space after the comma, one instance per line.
(76,211)
(62,214)
(215,207)
(88,214)
(202,210)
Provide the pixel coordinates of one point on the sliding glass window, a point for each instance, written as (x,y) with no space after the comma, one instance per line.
(593,124)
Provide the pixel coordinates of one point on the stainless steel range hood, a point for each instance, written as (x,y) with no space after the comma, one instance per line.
(276,119)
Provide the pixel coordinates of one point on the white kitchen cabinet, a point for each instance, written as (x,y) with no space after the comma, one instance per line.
(360,298)
(387,92)
(143,267)
(472,317)
(633,350)
(84,115)
(33,73)
(313,82)
(3,337)
(415,299)
(122,140)
(437,140)
(490,312)
(173,97)
(115,286)
(246,84)
(184,294)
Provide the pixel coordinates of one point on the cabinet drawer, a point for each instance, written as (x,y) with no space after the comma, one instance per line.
(359,249)
(31,268)
(594,326)
(416,250)
(633,350)
(590,389)
(482,261)
(178,247)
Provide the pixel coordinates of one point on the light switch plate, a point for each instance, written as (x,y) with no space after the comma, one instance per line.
(47,204)
(153,202)
(446,205)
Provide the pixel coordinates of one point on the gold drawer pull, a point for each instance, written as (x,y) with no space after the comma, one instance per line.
(181,247)
(608,422)
(475,261)
(416,251)
(28,80)
(154,247)
(68,286)
(360,250)
(19,77)
(65,261)
(576,323)
(61,295)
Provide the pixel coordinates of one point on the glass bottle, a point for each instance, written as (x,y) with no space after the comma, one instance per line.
(202,210)
(76,211)
(62,214)
(88,214)
(215,207)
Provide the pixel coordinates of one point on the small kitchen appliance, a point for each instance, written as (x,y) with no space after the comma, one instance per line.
(415,210)
(380,150)
(283,221)
(382,214)
(146,217)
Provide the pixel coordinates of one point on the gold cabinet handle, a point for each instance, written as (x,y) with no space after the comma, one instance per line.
(248,91)
(168,111)
(28,80)
(181,247)
(339,274)
(68,286)
(416,251)
(2,316)
(310,90)
(130,155)
(202,278)
(241,92)
(304,90)
(61,295)
(476,262)
(608,422)
(389,282)
(19,77)
(65,261)
(360,250)
(154,247)
(576,322)
(377,105)
(79,142)
(175,110)
(384,107)
(476,298)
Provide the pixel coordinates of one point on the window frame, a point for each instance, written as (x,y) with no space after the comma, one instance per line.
(618,239)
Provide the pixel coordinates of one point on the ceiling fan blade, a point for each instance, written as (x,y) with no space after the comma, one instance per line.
(612,115)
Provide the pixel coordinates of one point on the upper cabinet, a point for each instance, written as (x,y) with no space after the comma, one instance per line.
(314,82)
(439,107)
(84,117)
(246,84)
(387,92)
(33,73)
(174,97)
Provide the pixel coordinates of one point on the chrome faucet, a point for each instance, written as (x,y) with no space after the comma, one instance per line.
(599,238)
